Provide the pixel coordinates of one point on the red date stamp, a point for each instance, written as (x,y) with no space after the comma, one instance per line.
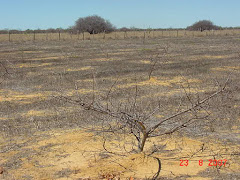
(210,162)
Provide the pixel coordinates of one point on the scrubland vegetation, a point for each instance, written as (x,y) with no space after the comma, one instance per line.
(81,109)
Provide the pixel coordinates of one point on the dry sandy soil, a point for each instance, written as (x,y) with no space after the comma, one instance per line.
(42,137)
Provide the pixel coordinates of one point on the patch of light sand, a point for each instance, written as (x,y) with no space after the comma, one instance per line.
(21,97)
(105,59)
(153,81)
(81,69)
(81,91)
(47,58)
(27,65)
(41,113)
(198,178)
(226,68)
(145,62)
(83,153)
(30,52)
(123,78)
(173,92)
(209,57)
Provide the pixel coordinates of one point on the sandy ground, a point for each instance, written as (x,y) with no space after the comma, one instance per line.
(74,154)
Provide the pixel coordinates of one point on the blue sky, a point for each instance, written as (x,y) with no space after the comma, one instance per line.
(34,14)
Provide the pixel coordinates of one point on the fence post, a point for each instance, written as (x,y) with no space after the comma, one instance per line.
(59,35)
(104,34)
(9,36)
(177,33)
(162,33)
(78,34)
(115,35)
(83,36)
(22,35)
(144,35)
(125,34)
(34,38)
(92,35)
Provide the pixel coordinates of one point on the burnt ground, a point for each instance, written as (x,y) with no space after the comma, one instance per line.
(35,74)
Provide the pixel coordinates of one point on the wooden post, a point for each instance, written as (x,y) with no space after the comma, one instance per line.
(9,36)
(34,36)
(162,33)
(78,34)
(177,33)
(59,35)
(93,34)
(104,34)
(83,36)
(144,35)
(115,35)
(22,36)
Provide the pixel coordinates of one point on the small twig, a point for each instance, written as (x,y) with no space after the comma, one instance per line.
(110,152)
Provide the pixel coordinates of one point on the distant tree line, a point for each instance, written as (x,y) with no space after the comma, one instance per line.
(96,24)
(28,31)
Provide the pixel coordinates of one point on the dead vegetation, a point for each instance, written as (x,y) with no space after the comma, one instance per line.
(44,138)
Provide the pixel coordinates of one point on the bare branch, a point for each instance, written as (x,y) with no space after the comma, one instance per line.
(152,129)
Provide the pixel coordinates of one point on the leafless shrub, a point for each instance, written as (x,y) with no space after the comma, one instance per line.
(138,118)
(139,121)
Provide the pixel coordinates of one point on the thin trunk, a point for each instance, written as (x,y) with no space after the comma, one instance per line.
(142,143)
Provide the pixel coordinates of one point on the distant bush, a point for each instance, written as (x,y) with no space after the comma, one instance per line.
(93,25)
(203,25)
(3,31)
(124,29)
